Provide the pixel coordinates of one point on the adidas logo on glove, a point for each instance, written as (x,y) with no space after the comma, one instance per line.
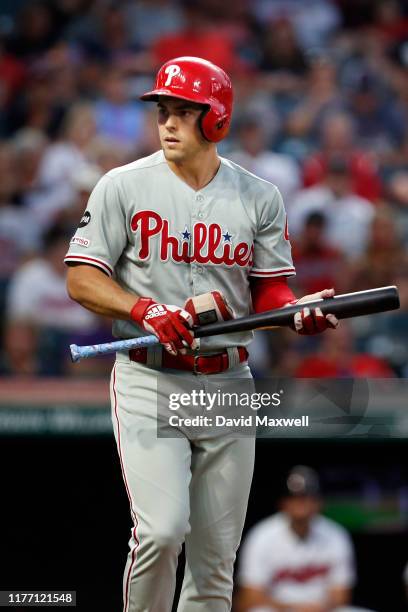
(156,311)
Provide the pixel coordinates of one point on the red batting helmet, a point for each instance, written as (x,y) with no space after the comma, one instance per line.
(197,80)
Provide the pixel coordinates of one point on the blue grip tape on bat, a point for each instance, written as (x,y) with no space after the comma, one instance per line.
(82,352)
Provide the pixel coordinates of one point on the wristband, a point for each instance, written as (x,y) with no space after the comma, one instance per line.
(138,310)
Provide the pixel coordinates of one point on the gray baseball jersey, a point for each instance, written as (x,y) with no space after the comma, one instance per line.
(162,239)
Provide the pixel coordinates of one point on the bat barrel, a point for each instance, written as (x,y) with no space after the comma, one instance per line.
(362,303)
(343,306)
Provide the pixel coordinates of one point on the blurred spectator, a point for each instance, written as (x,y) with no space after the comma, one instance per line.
(198,37)
(115,43)
(338,137)
(109,41)
(318,264)
(117,116)
(83,183)
(385,263)
(106,154)
(281,57)
(348,216)
(35,108)
(152,19)
(149,141)
(59,165)
(336,358)
(321,97)
(41,318)
(383,256)
(252,99)
(296,138)
(58,70)
(379,118)
(29,146)
(79,21)
(8,174)
(12,76)
(390,20)
(398,194)
(396,60)
(296,560)
(19,234)
(313,21)
(302,118)
(252,153)
(36,31)
(283,76)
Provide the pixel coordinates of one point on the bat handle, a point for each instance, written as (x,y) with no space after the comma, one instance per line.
(91,350)
(75,351)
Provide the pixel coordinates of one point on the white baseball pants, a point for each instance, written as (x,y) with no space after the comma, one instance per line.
(179,491)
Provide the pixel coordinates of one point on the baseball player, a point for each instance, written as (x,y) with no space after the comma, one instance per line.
(157,232)
(297,560)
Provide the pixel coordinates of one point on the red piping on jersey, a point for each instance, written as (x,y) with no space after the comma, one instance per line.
(270,293)
(133,513)
(255,272)
(91,259)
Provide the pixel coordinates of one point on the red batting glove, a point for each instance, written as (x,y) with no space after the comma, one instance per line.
(168,323)
(308,321)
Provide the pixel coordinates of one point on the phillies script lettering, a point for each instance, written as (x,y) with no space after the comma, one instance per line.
(206,244)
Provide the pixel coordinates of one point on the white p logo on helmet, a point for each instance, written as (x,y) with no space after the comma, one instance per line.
(171,71)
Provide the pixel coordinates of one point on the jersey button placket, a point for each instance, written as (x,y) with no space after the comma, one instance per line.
(198,271)
(194,217)
(199,200)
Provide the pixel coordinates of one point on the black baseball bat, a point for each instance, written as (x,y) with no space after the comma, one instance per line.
(342,306)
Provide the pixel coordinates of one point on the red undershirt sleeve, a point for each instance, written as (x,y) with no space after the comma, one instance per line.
(270,293)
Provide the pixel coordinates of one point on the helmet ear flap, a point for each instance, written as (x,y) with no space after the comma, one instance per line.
(214,125)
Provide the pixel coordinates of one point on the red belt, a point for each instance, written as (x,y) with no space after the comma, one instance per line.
(199,364)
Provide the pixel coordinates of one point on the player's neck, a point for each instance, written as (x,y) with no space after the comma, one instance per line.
(199,171)
(301,528)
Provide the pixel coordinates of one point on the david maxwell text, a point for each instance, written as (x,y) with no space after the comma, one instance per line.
(243,421)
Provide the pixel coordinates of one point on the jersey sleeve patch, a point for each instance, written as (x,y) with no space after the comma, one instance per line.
(84,242)
(85,219)
(93,261)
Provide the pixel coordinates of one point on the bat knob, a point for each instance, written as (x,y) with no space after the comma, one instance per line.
(75,353)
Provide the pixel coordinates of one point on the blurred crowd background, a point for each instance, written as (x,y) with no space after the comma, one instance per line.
(321,90)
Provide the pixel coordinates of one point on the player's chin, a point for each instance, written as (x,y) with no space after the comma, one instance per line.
(173,154)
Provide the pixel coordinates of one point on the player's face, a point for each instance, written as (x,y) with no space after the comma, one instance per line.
(179,129)
(301,508)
